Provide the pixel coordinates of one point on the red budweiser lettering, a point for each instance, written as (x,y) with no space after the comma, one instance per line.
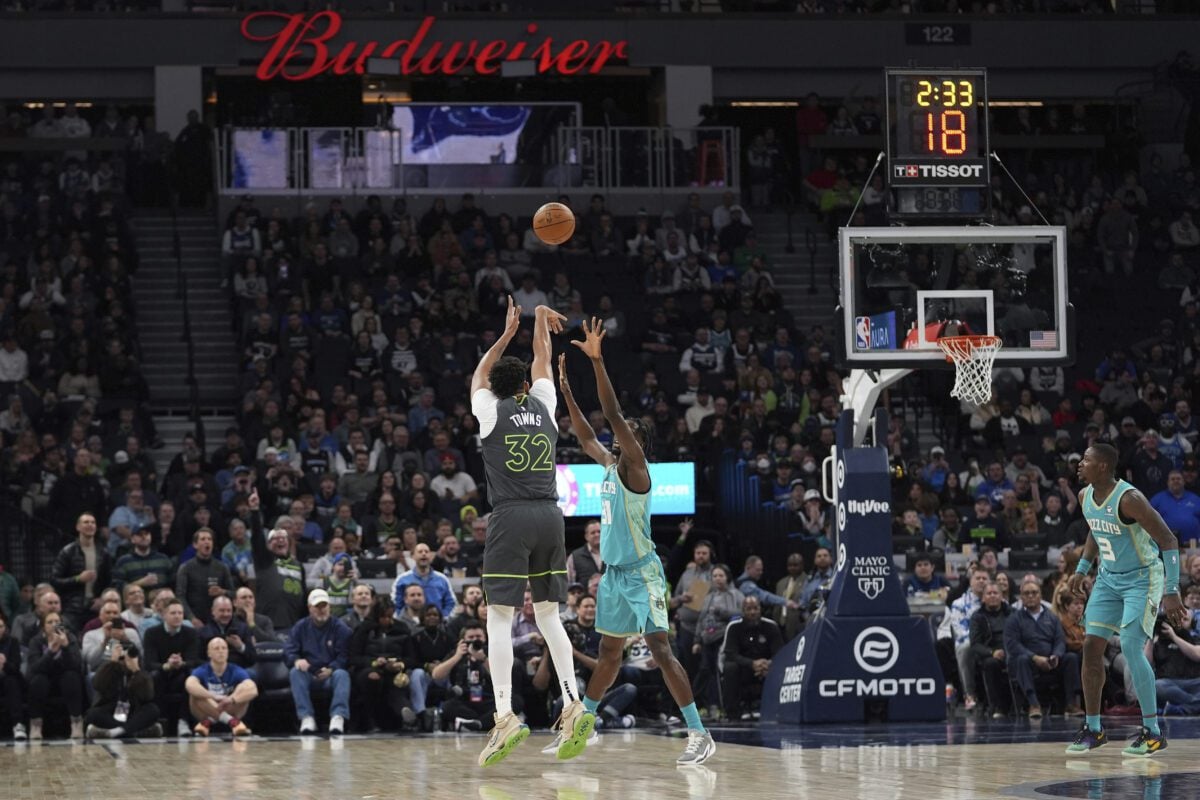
(300,46)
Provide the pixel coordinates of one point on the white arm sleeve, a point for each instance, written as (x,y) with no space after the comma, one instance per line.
(543,389)
(483,406)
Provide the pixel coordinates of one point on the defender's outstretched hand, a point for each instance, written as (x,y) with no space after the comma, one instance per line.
(593,336)
(554,320)
(563,382)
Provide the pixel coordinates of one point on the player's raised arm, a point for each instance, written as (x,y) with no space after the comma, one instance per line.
(1135,506)
(637,474)
(545,322)
(579,424)
(512,321)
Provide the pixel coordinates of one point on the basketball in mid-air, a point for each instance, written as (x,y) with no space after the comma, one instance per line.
(554,223)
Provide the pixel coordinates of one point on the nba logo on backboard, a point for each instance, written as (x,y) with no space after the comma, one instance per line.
(862,333)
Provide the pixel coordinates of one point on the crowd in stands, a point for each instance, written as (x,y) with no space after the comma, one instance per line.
(355,448)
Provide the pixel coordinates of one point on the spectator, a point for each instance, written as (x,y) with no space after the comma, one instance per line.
(78,492)
(124,698)
(924,580)
(1179,508)
(1033,640)
(747,584)
(260,625)
(585,561)
(238,638)
(467,669)
(81,570)
(362,597)
(203,578)
(279,576)
(379,650)
(721,604)
(220,691)
(690,591)
(133,597)
(12,683)
(987,644)
(954,636)
(435,586)
(172,651)
(98,643)
(821,577)
(54,666)
(750,644)
(1176,657)
(790,587)
(316,654)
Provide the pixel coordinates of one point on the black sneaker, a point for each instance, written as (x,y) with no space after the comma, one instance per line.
(1087,741)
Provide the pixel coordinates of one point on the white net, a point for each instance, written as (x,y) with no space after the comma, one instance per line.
(973,357)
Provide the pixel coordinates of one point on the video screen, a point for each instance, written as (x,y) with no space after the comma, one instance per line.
(673,488)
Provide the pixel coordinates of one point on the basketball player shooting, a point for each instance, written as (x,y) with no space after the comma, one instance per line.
(632,598)
(1128,535)
(525,538)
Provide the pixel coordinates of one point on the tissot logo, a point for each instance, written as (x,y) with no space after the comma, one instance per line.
(868,507)
(937,170)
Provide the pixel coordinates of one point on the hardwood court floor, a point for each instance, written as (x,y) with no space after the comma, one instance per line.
(880,763)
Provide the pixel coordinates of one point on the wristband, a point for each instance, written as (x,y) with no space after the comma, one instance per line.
(1171,569)
(1085,566)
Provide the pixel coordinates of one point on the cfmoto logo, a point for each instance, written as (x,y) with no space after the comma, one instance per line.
(876,650)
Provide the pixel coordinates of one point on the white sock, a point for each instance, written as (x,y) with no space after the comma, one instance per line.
(561,652)
(116,733)
(225,717)
(500,654)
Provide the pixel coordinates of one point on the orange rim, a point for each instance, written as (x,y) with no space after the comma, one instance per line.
(959,347)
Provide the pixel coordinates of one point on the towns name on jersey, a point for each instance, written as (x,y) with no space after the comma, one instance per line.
(526,418)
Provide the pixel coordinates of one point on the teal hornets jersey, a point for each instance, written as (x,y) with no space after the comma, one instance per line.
(624,521)
(1123,547)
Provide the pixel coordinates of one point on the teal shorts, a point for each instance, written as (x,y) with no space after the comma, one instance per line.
(1120,599)
(632,600)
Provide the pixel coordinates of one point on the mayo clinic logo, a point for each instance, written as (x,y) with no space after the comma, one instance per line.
(876,650)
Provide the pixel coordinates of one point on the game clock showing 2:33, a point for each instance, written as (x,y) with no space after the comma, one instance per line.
(937,143)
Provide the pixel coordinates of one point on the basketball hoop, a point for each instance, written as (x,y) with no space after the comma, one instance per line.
(973,357)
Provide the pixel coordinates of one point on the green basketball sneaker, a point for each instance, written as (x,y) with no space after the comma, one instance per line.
(1146,744)
(1087,741)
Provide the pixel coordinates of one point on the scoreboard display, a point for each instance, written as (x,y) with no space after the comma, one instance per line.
(938,140)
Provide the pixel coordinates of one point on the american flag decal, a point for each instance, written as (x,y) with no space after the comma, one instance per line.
(1043,340)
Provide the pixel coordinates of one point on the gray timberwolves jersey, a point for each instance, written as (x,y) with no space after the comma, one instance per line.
(518,453)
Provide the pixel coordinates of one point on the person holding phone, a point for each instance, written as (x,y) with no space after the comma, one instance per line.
(54,665)
(124,704)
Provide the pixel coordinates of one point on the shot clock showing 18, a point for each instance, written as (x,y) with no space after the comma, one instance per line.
(554,223)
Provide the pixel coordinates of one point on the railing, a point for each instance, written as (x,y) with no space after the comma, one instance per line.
(349,161)
(764,528)
(186,336)
(27,545)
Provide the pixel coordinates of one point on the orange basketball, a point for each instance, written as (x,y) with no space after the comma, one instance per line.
(554,223)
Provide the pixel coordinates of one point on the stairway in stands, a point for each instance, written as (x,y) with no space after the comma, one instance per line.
(793,272)
(160,326)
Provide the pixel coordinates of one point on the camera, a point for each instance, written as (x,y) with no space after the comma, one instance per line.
(59,629)
(476,645)
(131,650)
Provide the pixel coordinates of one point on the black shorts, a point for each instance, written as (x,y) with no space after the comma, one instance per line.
(525,543)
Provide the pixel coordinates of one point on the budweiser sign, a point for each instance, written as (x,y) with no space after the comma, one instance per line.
(302,46)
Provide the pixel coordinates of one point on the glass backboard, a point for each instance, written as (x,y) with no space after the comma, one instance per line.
(904,288)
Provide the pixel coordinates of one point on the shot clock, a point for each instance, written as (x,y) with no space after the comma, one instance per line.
(938,140)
